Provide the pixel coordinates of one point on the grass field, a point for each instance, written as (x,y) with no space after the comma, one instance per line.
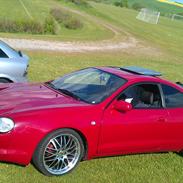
(166,37)
(90,31)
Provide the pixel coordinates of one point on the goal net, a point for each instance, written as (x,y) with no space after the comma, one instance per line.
(148,16)
(177,17)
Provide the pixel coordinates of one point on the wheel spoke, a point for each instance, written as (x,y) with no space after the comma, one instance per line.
(57,143)
(64,142)
(68,142)
(51,148)
(64,163)
(51,166)
(54,145)
(52,159)
(50,152)
(48,157)
(71,148)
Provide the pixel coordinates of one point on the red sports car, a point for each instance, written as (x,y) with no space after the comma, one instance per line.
(94,112)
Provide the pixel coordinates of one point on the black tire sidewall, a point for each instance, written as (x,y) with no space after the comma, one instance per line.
(4,80)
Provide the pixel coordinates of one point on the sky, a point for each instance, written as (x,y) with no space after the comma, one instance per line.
(178,1)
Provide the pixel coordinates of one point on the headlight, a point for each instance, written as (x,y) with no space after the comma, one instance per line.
(6,125)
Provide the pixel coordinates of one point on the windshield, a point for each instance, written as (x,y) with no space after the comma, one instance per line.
(90,85)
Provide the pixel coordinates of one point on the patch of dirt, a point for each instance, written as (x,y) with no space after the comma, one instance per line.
(27,44)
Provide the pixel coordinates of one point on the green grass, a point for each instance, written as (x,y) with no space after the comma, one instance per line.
(152,168)
(39,10)
(56,64)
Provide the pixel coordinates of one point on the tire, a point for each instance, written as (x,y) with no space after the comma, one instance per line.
(2,80)
(57,150)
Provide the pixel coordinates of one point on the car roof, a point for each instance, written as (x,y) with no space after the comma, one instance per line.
(133,77)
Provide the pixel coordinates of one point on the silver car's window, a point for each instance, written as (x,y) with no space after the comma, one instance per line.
(3,54)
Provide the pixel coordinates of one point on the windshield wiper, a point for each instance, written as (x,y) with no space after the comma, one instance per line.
(65,91)
(69,93)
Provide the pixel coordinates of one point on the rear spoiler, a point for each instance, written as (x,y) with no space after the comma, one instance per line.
(179,83)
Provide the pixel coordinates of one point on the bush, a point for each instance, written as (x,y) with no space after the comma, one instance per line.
(122,3)
(50,26)
(30,26)
(80,2)
(73,23)
(66,18)
(60,15)
(137,6)
(118,3)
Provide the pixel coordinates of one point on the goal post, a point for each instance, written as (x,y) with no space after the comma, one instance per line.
(177,17)
(148,16)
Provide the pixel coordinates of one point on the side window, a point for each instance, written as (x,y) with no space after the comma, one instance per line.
(173,97)
(2,54)
(142,96)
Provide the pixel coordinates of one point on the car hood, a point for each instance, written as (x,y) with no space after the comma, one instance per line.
(23,97)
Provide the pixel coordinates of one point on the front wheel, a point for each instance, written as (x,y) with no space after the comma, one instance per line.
(59,152)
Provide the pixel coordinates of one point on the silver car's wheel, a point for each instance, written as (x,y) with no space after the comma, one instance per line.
(2,80)
(59,153)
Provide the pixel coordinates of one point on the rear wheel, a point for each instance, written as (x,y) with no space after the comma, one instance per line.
(59,152)
(2,80)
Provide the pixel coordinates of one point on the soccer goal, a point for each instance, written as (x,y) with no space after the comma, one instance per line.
(177,17)
(148,16)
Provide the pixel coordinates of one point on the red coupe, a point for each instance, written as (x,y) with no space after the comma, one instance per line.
(94,112)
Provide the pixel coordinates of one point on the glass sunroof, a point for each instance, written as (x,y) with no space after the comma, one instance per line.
(140,70)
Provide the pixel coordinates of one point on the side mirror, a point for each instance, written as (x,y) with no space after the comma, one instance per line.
(122,106)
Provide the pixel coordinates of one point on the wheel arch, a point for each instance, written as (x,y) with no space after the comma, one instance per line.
(84,139)
(7,79)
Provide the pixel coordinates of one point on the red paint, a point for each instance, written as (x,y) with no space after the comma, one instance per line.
(38,110)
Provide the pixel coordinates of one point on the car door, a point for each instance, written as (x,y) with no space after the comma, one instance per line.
(173,130)
(138,130)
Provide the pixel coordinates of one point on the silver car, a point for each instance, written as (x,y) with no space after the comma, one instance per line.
(13,64)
